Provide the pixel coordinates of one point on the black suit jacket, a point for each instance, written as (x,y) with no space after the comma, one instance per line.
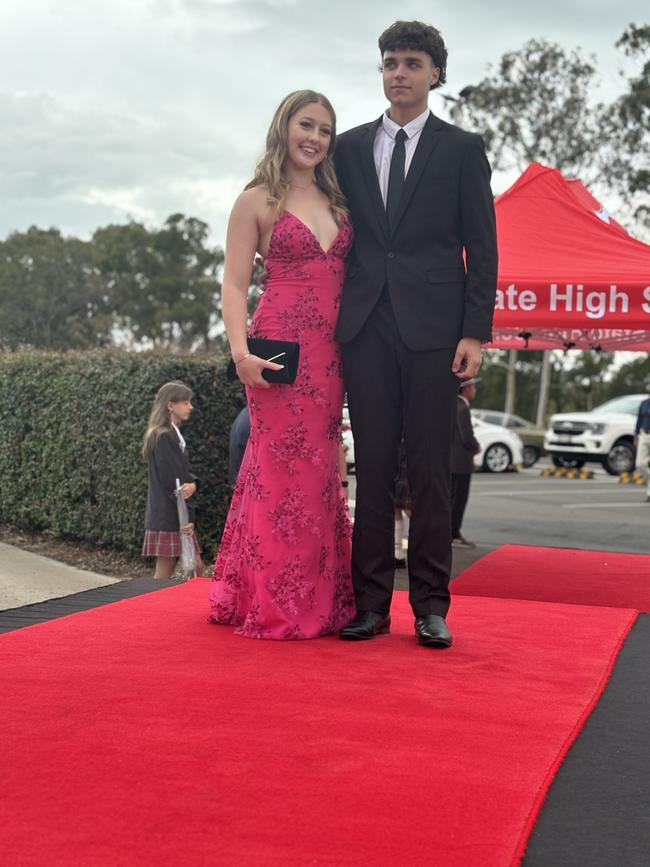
(447,209)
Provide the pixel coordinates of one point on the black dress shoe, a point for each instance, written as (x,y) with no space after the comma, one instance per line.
(366,624)
(432,631)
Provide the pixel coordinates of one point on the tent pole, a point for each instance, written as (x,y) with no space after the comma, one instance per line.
(511,382)
(544,384)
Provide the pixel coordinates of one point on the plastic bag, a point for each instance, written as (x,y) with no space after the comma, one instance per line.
(187,560)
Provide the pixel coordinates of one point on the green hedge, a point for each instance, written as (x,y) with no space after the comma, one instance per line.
(72,426)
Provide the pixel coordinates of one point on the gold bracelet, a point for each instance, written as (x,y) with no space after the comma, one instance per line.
(248,355)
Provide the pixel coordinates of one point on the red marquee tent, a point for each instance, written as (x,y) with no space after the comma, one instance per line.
(569,275)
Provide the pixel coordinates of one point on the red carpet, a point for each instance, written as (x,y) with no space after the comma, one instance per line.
(138,734)
(560,575)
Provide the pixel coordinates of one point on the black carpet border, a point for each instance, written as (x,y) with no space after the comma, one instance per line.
(52,609)
(597,811)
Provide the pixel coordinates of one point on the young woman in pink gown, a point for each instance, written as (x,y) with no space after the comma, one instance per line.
(283,568)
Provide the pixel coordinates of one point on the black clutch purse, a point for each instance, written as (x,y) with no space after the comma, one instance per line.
(279,351)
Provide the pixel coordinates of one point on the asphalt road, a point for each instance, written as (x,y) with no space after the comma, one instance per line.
(525,509)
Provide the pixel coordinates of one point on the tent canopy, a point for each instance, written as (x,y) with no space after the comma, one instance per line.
(569,275)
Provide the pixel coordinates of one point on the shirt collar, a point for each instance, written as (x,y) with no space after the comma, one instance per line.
(413,127)
(180,436)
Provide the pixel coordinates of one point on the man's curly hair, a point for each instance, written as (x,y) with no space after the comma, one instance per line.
(414,35)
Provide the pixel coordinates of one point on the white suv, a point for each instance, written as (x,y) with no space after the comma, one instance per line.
(605,435)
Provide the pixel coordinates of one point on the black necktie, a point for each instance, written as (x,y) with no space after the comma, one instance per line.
(396,177)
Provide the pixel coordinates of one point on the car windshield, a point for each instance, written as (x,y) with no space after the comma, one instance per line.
(518,421)
(629,405)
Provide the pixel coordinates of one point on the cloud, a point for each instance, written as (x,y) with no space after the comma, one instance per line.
(140,108)
(116,165)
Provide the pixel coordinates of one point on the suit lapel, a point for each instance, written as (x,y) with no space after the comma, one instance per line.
(429,138)
(367,149)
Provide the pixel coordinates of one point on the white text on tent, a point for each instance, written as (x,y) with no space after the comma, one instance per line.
(571,298)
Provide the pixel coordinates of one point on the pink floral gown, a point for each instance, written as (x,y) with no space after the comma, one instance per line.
(283,568)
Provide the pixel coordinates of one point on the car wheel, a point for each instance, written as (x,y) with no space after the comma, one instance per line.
(620,458)
(531,456)
(569,463)
(497,458)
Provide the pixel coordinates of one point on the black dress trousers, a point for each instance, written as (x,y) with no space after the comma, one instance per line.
(395,391)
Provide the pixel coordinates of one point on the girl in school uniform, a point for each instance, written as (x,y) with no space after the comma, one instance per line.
(165,451)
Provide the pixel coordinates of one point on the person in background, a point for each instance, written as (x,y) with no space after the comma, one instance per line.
(402,505)
(165,451)
(239,433)
(642,439)
(342,465)
(464,447)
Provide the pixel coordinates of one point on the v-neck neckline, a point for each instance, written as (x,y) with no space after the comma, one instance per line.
(312,233)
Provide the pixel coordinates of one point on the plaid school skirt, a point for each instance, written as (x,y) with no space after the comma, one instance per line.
(165,543)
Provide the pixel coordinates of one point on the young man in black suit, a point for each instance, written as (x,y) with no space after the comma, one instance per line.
(417,303)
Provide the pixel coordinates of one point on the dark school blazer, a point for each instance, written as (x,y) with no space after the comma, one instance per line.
(446,208)
(464,444)
(167,462)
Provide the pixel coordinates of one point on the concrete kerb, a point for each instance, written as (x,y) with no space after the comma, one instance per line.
(26,578)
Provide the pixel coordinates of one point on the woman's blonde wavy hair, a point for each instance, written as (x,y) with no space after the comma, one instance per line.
(270,173)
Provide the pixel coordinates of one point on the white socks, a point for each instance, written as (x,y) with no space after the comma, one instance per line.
(399,535)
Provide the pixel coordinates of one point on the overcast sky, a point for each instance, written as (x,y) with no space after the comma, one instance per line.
(134,109)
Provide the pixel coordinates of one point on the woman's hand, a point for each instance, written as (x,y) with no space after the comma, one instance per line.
(187,529)
(249,371)
(188,490)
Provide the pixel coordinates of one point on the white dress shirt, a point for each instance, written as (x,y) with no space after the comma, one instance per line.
(180,437)
(385,144)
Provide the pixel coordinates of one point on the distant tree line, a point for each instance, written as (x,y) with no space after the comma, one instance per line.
(578,381)
(129,285)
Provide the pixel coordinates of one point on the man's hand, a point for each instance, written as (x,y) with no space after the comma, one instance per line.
(468,359)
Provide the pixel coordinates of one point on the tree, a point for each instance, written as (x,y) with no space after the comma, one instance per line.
(630,378)
(538,104)
(51,295)
(627,130)
(163,282)
(535,106)
(582,385)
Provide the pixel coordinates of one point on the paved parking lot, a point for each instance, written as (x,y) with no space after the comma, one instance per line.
(525,509)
